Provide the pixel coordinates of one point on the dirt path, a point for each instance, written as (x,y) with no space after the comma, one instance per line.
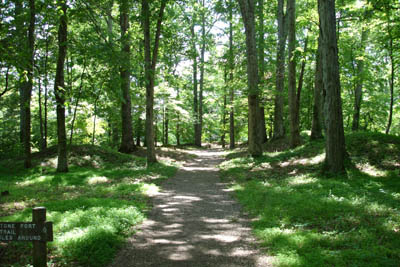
(194,222)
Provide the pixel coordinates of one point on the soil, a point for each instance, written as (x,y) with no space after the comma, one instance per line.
(194,222)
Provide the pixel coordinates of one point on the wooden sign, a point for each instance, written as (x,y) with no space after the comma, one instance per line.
(19,231)
(38,232)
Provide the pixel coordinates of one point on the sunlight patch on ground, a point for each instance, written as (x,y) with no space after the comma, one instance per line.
(303,179)
(39,179)
(150,189)
(370,170)
(186,168)
(210,220)
(73,235)
(180,256)
(222,238)
(189,198)
(263,166)
(304,161)
(98,180)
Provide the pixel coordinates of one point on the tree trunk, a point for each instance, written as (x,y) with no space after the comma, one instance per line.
(335,149)
(62,164)
(247,10)
(391,81)
(263,128)
(201,82)
(41,128)
(150,68)
(178,134)
(279,127)
(127,143)
(94,120)
(166,127)
(224,112)
(293,109)
(359,85)
(46,84)
(195,92)
(231,91)
(21,45)
(261,45)
(138,132)
(317,122)
(76,105)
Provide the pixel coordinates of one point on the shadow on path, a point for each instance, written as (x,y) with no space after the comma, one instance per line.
(194,222)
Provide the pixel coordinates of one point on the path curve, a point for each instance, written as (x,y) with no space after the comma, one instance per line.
(195,222)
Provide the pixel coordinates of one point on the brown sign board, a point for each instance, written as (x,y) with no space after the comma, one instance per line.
(21,231)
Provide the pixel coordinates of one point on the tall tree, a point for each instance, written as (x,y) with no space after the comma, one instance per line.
(293,109)
(231,91)
(279,127)
(359,84)
(150,69)
(335,151)
(247,10)
(59,89)
(261,48)
(392,70)
(127,142)
(197,134)
(26,86)
(201,81)
(317,121)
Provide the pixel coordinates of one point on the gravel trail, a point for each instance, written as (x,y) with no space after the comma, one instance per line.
(195,222)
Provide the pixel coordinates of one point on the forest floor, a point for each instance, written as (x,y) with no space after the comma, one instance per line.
(93,207)
(194,222)
(305,218)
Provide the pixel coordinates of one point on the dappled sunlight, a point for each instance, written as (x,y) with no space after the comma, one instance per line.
(302,179)
(93,208)
(371,170)
(193,219)
(98,180)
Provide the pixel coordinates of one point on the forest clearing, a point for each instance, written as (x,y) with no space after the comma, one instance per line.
(201,132)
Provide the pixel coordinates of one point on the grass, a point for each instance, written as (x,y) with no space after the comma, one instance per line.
(306,219)
(94,206)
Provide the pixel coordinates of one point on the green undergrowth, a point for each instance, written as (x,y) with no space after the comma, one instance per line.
(304,218)
(94,206)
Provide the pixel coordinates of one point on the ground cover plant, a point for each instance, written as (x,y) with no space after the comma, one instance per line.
(307,219)
(94,206)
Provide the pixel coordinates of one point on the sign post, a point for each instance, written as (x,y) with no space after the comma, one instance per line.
(38,231)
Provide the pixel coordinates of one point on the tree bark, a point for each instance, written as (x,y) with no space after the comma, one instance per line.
(359,85)
(41,128)
(46,84)
(150,68)
(138,132)
(28,84)
(59,90)
(293,108)
(127,143)
(335,151)
(247,10)
(317,122)
(195,86)
(263,128)
(231,91)
(279,127)
(391,81)
(223,143)
(166,130)
(94,120)
(201,81)
(261,48)
(21,45)
(76,105)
